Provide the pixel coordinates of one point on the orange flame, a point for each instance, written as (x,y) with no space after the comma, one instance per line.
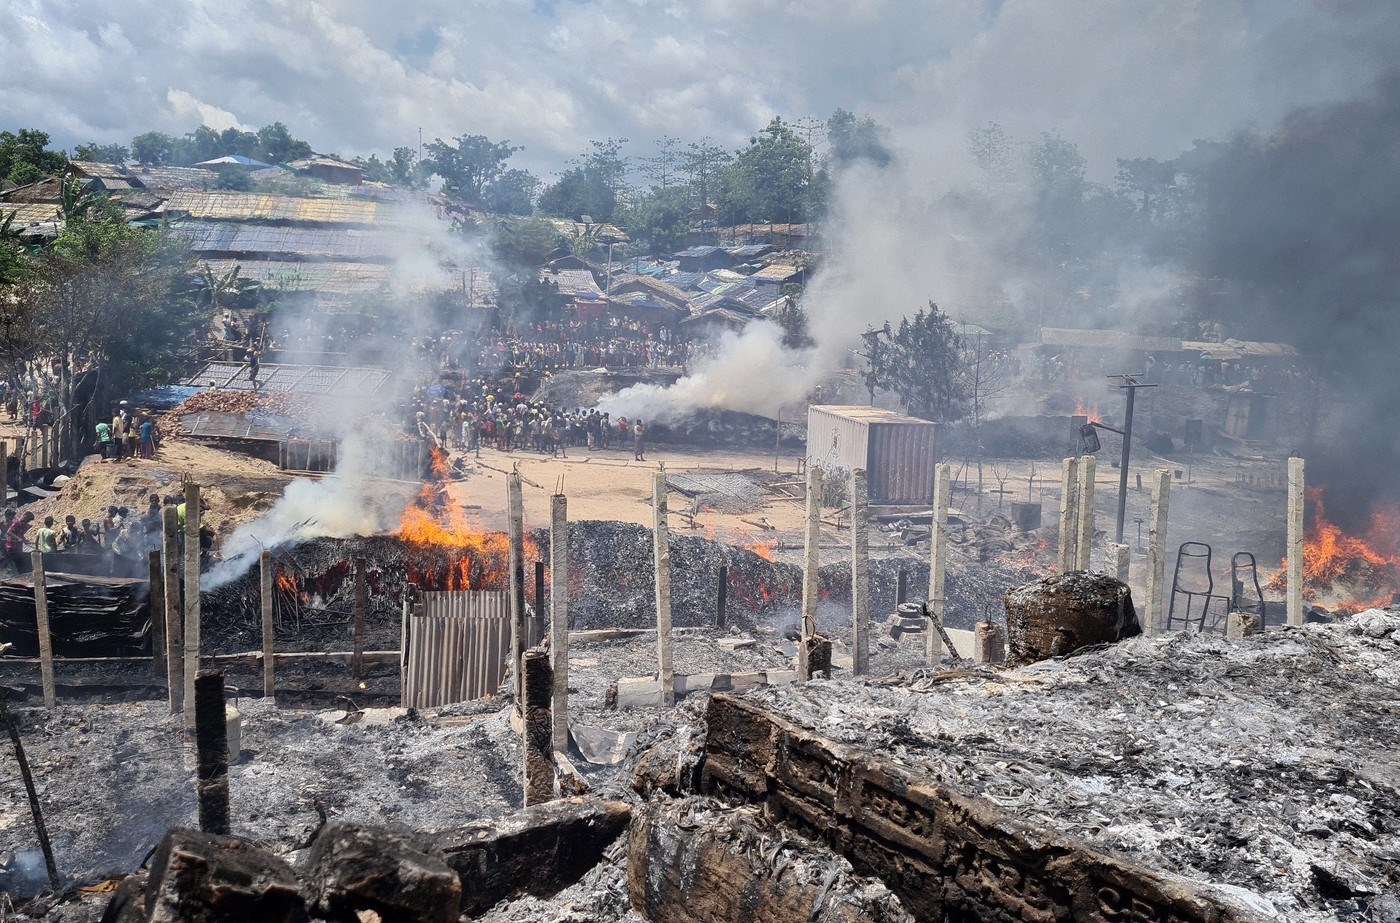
(434,521)
(1082,409)
(1350,572)
(763,548)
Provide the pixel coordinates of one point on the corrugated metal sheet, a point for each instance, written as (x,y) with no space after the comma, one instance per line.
(898,452)
(351,244)
(457,648)
(298,379)
(241,206)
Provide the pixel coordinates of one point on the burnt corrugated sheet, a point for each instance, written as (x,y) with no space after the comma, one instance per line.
(88,616)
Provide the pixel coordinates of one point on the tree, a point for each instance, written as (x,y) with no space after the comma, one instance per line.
(153,149)
(275,144)
(16,265)
(591,186)
(512,193)
(702,163)
(991,150)
(405,168)
(25,157)
(1148,179)
(237,179)
(662,168)
(792,317)
(771,179)
(523,243)
(93,152)
(105,295)
(659,219)
(855,139)
(919,362)
(468,165)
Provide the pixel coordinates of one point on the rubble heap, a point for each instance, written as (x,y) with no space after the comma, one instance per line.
(1249,780)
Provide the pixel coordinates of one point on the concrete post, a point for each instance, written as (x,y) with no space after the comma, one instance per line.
(1296,496)
(269,659)
(661,547)
(1085,539)
(559,617)
(1121,556)
(41,618)
(536,732)
(721,613)
(938,564)
(1156,552)
(1069,492)
(811,557)
(860,576)
(192,517)
(515,534)
(174,616)
(357,661)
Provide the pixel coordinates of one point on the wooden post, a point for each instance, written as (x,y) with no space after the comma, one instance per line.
(661,547)
(536,730)
(211,746)
(266,574)
(519,633)
(989,643)
(155,602)
(40,830)
(559,617)
(1156,552)
(811,556)
(41,618)
(174,617)
(901,588)
(4,471)
(191,598)
(1296,498)
(938,564)
(860,576)
(1085,539)
(1122,555)
(358,661)
(1069,490)
(721,616)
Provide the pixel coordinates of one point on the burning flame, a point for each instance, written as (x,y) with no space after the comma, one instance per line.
(473,559)
(1082,409)
(1350,572)
(763,548)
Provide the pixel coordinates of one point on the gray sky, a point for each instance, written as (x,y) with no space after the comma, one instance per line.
(1120,77)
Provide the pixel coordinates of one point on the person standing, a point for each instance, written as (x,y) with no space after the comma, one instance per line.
(148,438)
(104,439)
(14,542)
(638,435)
(46,539)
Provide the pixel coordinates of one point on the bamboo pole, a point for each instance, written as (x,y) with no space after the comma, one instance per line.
(811,557)
(559,617)
(938,564)
(860,576)
(1085,539)
(40,830)
(661,555)
(41,618)
(1296,498)
(174,618)
(192,616)
(1157,551)
(269,656)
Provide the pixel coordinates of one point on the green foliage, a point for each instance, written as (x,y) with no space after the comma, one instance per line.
(991,150)
(703,163)
(591,186)
(238,179)
(921,363)
(93,152)
(16,264)
(659,219)
(853,139)
(469,165)
(772,179)
(523,243)
(512,193)
(25,158)
(792,317)
(270,144)
(153,149)
(275,144)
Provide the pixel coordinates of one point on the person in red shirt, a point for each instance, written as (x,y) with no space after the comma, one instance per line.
(14,543)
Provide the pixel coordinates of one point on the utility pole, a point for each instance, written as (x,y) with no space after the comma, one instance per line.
(1130,384)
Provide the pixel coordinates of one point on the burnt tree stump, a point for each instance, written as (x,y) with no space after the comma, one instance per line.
(1058,615)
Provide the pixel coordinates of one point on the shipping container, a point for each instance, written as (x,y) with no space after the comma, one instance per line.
(898,452)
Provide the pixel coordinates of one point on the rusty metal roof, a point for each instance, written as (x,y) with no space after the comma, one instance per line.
(243,206)
(265,427)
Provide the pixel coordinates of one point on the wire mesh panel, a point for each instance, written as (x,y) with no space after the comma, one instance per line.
(456,647)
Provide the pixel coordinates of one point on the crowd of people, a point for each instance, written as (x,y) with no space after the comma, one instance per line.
(127,435)
(120,532)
